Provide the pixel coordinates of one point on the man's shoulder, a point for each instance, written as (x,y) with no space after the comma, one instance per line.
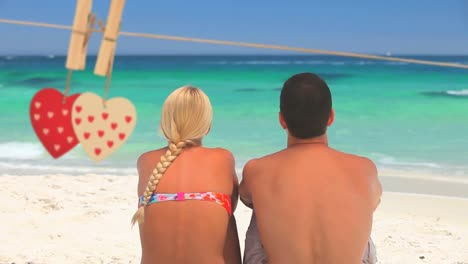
(366,170)
(359,162)
(251,165)
(261,162)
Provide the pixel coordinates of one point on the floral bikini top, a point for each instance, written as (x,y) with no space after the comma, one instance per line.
(220,198)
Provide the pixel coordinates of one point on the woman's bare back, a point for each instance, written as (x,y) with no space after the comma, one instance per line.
(190,231)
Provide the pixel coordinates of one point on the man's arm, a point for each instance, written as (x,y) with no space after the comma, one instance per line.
(254,252)
(375,185)
(246,183)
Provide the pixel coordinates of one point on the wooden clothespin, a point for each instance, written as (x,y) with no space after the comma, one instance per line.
(81,32)
(107,50)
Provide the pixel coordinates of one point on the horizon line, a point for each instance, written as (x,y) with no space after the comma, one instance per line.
(232,54)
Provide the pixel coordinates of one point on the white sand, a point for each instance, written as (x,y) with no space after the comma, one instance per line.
(86,219)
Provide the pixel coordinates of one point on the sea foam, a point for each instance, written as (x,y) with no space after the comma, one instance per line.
(387,160)
(18,168)
(458,93)
(448,93)
(20,150)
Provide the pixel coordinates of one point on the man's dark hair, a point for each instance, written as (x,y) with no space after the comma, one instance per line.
(306,104)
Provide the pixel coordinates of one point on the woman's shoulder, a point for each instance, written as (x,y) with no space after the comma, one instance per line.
(150,155)
(215,155)
(221,152)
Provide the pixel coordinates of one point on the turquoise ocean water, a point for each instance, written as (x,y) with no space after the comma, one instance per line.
(406,117)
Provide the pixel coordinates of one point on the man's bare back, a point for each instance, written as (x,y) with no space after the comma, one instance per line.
(313,204)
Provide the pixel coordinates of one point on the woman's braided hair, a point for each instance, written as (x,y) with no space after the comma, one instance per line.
(185,119)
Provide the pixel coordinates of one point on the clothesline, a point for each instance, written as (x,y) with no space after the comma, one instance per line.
(246,44)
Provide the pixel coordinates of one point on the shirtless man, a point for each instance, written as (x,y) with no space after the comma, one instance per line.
(313,204)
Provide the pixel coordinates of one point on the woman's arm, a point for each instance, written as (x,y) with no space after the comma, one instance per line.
(232,254)
(231,165)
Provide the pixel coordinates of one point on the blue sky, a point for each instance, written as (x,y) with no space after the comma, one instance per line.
(401,27)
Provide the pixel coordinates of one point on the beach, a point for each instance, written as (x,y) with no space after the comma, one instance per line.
(86,219)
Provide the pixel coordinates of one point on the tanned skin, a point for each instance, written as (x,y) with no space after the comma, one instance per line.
(313,204)
(195,232)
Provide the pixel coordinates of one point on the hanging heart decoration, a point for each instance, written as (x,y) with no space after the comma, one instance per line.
(50,114)
(102,127)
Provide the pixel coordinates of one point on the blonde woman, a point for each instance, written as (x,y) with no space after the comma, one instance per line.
(187,193)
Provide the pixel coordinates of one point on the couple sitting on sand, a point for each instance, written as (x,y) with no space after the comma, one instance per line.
(311,203)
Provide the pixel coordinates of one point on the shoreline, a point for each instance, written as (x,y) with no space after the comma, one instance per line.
(400,181)
(424,187)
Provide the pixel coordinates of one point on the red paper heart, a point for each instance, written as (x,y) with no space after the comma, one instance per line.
(51,122)
(105,116)
(100,133)
(128,119)
(110,143)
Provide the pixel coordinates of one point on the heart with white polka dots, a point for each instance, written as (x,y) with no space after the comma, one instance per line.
(102,127)
(50,114)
